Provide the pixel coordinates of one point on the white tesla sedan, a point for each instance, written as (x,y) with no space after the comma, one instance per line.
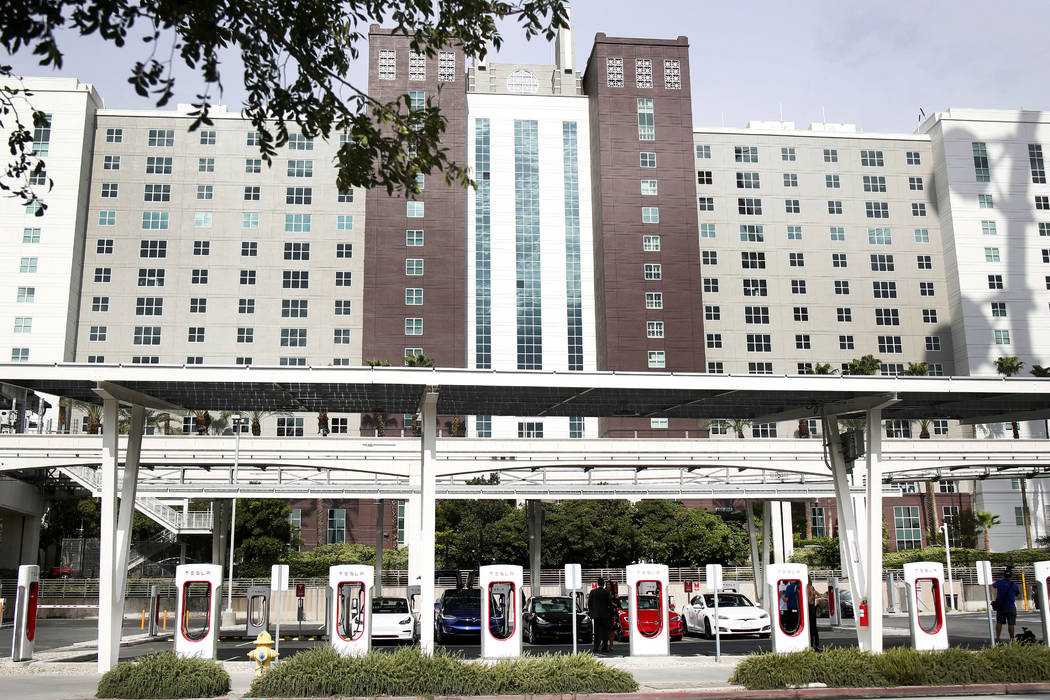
(737,615)
(392,620)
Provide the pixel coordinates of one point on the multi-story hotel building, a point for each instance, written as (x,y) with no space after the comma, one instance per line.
(606,232)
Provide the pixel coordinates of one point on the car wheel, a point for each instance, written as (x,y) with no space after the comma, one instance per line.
(530,634)
(439,638)
(708,634)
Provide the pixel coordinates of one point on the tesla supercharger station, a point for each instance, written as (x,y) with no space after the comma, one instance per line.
(500,627)
(648,581)
(350,621)
(1042,578)
(258,611)
(197,605)
(24,632)
(936,635)
(786,593)
(154,610)
(834,607)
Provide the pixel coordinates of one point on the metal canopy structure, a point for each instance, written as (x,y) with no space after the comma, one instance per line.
(489,392)
(858,491)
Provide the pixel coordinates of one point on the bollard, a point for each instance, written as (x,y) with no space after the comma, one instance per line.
(165,619)
(142,625)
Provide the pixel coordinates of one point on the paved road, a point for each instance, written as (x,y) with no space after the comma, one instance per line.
(968,630)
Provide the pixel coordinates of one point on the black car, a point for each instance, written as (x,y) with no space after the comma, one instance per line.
(550,617)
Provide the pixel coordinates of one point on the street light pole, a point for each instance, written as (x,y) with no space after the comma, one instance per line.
(233,511)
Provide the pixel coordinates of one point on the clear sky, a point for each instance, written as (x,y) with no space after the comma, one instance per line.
(874,64)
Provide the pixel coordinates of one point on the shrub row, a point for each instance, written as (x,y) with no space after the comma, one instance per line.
(321,672)
(164,675)
(852,668)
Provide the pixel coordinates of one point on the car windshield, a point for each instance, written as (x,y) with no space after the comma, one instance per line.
(728,600)
(390,605)
(463,600)
(551,605)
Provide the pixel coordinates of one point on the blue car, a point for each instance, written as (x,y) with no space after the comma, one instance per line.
(458,616)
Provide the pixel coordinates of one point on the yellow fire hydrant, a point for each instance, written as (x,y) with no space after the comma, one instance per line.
(263,654)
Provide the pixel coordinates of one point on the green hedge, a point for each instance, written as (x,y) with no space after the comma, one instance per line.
(321,672)
(852,668)
(964,557)
(164,675)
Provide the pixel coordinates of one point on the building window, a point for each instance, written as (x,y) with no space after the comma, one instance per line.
(890,344)
(649,187)
(651,244)
(672,74)
(844,314)
(530,429)
(413,326)
(764,430)
(146,335)
(801,313)
(336,516)
(414,210)
(414,267)
(940,427)
(744,181)
(837,233)
(991,255)
(933,343)
(715,368)
(832,182)
(880,236)
(387,71)
(246,306)
(198,305)
(155,220)
(149,306)
(980,161)
(100,304)
(790,180)
(1002,337)
(653,271)
(24,324)
(791,206)
(874,183)
(714,341)
(755,288)
(831,155)
(643,72)
(161,138)
(745,154)
(250,220)
(1042,201)
(414,296)
(708,257)
(248,277)
(705,203)
(998,309)
(648,160)
(19,354)
(293,337)
(294,308)
(654,300)
(199,276)
(107,218)
(841,287)
(646,119)
(802,341)
(703,151)
(252,166)
(295,279)
(834,206)
(887,317)
(103,275)
(787,153)
(918,209)
(749,206)
(926,289)
(650,215)
(205,165)
(245,335)
(296,251)
(996,282)
(446,67)
(656,359)
(796,260)
(760,368)
(111,163)
(342,307)
(882,263)
(798,286)
(104,246)
(614,72)
(756,314)
(877,210)
(195,334)
(344,250)
(711,285)
(922,235)
(712,313)
(838,260)
(114,135)
(846,342)
(341,336)
(985,201)
(924,262)
(871,158)
(752,260)
(752,233)
(300,168)
(929,315)
(759,342)
(915,183)
(907,527)
(109,190)
(249,249)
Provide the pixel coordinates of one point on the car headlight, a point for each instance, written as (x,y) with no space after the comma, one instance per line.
(540,621)
(764,616)
(449,618)
(406,621)
(675,618)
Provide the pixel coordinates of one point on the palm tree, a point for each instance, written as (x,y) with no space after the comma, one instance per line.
(917,369)
(202,420)
(1009,366)
(821,368)
(93,419)
(420,360)
(924,428)
(379,419)
(985,521)
(737,424)
(867,365)
(1039,371)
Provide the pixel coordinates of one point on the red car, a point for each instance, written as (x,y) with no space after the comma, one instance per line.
(649,614)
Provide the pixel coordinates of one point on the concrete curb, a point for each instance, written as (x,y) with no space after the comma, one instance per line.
(733,693)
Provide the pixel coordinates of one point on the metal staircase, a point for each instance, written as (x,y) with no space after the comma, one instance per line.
(175,521)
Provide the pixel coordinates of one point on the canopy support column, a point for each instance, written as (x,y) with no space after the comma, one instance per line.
(849,552)
(757,570)
(425,534)
(873,565)
(379,547)
(534,521)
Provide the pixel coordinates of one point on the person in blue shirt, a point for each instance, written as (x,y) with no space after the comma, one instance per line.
(1006,592)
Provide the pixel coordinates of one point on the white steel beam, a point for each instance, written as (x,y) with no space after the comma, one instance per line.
(873,565)
(108,633)
(109,390)
(847,520)
(428,501)
(839,408)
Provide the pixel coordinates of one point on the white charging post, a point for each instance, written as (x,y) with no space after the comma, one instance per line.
(647,583)
(500,631)
(984,578)
(936,637)
(23,633)
(786,594)
(573,583)
(834,604)
(278,584)
(714,580)
(350,613)
(1042,578)
(197,605)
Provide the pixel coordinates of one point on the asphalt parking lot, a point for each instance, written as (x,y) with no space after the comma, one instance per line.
(969,630)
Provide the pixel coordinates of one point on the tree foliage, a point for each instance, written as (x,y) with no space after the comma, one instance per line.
(869,364)
(264,535)
(296,57)
(316,562)
(596,534)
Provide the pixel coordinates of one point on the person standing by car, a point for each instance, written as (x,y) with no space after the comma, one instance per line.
(1005,605)
(599,603)
(811,608)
